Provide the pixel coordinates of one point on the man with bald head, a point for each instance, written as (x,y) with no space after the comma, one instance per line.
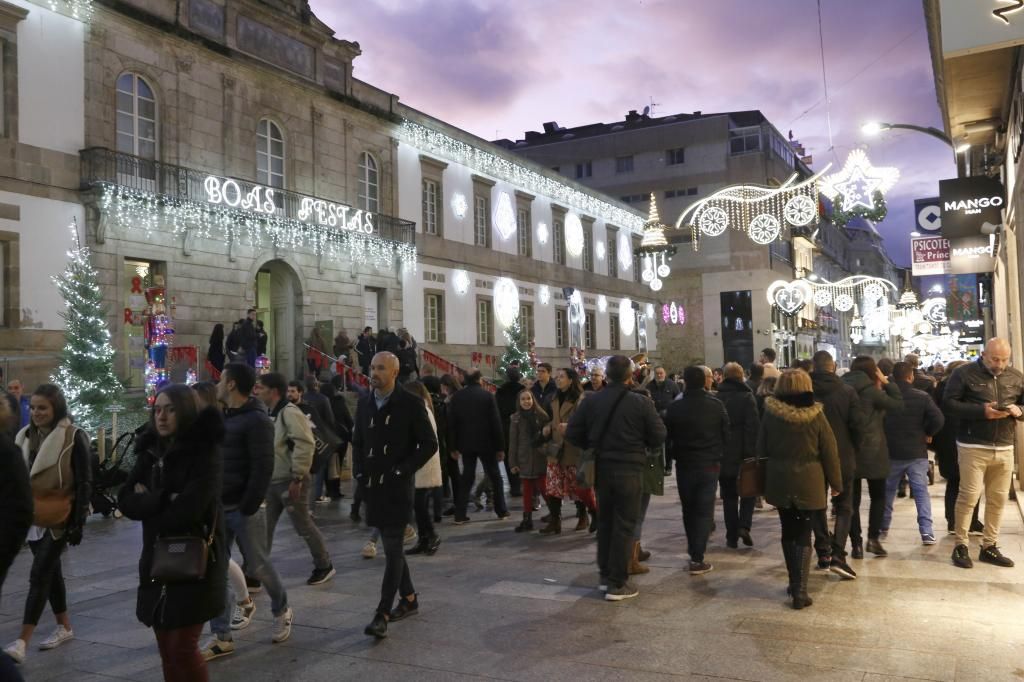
(986,396)
(392,439)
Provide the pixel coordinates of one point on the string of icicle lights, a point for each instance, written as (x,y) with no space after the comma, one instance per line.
(149,212)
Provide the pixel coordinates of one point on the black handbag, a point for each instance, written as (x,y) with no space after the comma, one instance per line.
(182,559)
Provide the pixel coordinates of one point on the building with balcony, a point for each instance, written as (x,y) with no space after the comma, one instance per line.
(42,57)
(681,159)
(231,153)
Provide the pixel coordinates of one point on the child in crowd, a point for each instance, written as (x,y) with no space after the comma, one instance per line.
(526,453)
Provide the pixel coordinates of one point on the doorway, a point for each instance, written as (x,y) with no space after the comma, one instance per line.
(279,308)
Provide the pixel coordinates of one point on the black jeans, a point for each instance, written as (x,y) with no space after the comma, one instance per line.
(697,495)
(424,519)
(738,511)
(396,570)
(876,490)
(619,489)
(45,581)
(796,526)
(490,463)
(843,503)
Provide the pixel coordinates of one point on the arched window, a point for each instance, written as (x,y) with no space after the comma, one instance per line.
(269,154)
(136,117)
(369,183)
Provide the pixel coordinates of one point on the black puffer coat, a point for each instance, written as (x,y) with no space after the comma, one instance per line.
(842,409)
(190,472)
(15,503)
(944,442)
(875,403)
(744,422)
(248,454)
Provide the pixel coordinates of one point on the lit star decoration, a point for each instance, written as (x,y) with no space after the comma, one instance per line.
(859,188)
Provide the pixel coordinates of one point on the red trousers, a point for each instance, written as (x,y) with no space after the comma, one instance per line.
(179,654)
(531,486)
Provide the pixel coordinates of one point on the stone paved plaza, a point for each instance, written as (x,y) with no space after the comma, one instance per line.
(498,605)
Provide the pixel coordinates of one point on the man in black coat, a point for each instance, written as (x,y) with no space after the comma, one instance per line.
(842,409)
(507,397)
(366,347)
(248,337)
(698,429)
(921,381)
(663,390)
(908,433)
(743,425)
(392,439)
(620,442)
(475,433)
(248,452)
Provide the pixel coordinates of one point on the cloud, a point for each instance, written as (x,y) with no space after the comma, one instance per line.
(498,69)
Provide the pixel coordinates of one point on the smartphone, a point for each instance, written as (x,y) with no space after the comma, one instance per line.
(1003,408)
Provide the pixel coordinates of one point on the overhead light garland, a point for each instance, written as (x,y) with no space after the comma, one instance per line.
(791,297)
(139,210)
(761,212)
(435,142)
(76,9)
(656,249)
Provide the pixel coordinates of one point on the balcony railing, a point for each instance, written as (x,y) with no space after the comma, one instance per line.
(176,185)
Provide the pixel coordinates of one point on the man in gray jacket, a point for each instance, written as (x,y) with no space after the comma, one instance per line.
(987,396)
(620,426)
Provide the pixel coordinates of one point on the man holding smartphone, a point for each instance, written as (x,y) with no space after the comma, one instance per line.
(987,396)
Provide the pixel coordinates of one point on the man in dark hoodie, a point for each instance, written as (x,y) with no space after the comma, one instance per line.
(248,450)
(743,425)
(248,337)
(842,409)
(698,429)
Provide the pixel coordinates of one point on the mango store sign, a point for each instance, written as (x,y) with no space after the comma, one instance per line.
(941,256)
(259,199)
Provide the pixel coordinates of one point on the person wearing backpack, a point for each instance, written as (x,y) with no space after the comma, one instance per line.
(289,483)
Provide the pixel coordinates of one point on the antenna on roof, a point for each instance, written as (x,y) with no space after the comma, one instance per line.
(652,105)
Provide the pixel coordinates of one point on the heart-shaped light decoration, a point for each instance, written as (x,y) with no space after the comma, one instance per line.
(789,297)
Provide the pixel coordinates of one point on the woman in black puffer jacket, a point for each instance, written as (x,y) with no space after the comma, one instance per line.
(175,491)
(944,443)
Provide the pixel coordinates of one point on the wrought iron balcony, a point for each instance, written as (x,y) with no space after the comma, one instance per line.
(172,185)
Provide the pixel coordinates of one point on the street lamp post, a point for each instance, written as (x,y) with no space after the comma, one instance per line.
(875,127)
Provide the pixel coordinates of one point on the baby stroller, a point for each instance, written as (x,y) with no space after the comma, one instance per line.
(109,475)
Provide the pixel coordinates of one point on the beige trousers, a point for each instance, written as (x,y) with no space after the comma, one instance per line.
(993,469)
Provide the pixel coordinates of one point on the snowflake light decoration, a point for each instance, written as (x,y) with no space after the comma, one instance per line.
(573,235)
(459,205)
(542,233)
(822,297)
(505,216)
(800,210)
(764,228)
(714,221)
(843,302)
(627,318)
(873,291)
(460,282)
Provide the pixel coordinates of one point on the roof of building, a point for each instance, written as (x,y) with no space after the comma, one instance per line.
(554,133)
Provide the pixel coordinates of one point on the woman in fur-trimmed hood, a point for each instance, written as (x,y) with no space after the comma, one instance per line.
(801,453)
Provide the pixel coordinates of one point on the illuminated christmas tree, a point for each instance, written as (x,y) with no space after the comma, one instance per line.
(517,353)
(86,371)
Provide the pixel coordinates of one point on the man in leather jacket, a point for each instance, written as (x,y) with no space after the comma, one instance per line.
(986,396)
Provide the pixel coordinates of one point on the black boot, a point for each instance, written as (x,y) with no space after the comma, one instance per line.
(800,597)
(582,522)
(789,554)
(554,526)
(527,524)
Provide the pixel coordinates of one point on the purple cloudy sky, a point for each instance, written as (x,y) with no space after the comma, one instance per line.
(499,68)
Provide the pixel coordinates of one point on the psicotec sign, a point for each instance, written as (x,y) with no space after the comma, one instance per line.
(968,204)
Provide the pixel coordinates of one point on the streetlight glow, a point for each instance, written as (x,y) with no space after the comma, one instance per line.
(872,128)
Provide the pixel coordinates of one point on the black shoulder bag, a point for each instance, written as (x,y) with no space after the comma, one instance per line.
(586,474)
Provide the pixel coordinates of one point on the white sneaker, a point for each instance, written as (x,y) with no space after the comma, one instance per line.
(58,637)
(282,626)
(16,650)
(242,615)
(369,549)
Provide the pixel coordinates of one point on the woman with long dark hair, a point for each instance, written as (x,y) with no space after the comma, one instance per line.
(802,456)
(427,482)
(877,396)
(215,354)
(175,491)
(564,458)
(56,453)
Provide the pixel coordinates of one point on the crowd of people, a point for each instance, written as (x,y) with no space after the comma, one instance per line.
(218,464)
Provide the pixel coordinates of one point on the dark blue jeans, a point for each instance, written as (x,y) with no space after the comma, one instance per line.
(619,489)
(697,495)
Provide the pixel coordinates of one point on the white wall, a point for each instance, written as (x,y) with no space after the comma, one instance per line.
(44,241)
(51,80)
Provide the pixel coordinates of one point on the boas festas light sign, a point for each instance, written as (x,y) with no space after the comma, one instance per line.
(968,204)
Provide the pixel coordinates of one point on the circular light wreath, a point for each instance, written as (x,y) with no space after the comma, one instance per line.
(843,302)
(764,228)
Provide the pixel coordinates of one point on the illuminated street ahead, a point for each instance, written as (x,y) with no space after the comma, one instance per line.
(498,605)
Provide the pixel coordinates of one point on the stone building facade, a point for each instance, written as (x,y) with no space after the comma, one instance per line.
(41,131)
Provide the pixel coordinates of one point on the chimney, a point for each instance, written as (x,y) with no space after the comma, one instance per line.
(551,127)
(632,116)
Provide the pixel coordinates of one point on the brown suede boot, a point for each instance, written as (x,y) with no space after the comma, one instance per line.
(635,567)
